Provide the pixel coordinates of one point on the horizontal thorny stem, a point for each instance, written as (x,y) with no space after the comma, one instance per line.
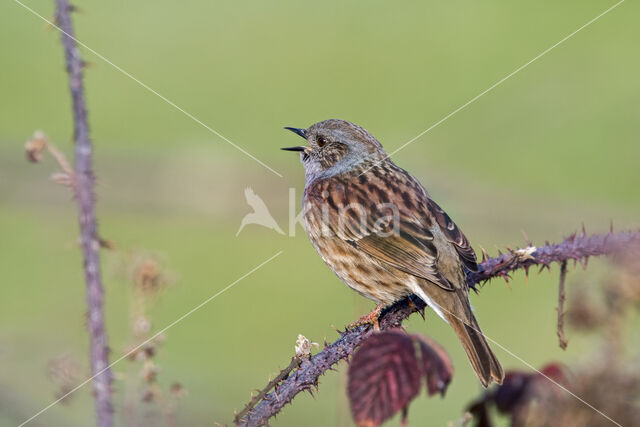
(577,247)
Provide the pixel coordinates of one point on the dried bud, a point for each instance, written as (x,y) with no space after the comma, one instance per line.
(178,391)
(149,350)
(525,253)
(141,326)
(303,346)
(147,275)
(35,146)
(147,395)
(149,371)
(146,272)
(64,372)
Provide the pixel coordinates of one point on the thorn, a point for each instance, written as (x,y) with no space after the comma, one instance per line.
(611,226)
(526,238)
(485,255)
(526,273)
(336,329)
(506,279)
(325,342)
(583,262)
(584,231)
(311,393)
(542,267)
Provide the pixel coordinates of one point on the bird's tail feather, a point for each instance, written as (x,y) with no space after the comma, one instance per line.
(454,307)
(483,361)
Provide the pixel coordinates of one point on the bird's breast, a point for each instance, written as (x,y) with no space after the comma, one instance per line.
(355,268)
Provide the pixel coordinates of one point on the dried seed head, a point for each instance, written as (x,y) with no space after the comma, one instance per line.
(142,325)
(177,390)
(35,146)
(303,346)
(65,372)
(147,395)
(149,371)
(526,253)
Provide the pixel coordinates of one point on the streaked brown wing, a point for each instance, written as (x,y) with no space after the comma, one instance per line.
(406,254)
(410,249)
(454,235)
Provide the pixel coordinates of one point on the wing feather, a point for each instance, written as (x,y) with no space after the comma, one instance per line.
(454,235)
(409,247)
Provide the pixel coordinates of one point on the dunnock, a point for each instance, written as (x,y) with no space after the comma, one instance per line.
(377,228)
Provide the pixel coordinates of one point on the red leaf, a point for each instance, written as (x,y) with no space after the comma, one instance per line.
(556,372)
(386,373)
(384,376)
(436,365)
(512,392)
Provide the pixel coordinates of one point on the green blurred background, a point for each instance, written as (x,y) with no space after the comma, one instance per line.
(553,146)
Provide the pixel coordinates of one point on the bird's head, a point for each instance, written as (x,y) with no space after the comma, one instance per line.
(335,146)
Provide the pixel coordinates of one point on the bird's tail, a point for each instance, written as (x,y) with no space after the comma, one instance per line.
(483,361)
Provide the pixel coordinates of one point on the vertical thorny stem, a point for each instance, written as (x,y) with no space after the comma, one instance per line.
(84,182)
(562,339)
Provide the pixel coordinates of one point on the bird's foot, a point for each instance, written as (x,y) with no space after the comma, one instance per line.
(414,307)
(369,319)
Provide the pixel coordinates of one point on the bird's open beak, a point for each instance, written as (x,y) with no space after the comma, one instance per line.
(297,131)
(293,148)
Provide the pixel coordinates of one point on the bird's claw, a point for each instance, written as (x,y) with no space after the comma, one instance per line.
(369,319)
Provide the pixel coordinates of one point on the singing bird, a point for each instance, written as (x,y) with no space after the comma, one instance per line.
(380,232)
(260,214)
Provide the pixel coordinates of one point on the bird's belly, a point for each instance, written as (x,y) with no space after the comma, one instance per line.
(360,272)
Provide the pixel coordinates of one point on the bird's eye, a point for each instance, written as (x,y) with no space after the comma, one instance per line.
(321,141)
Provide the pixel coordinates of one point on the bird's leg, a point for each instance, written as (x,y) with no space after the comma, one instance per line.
(369,319)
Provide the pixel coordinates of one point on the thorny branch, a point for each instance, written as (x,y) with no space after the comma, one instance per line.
(83,188)
(577,247)
(295,362)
